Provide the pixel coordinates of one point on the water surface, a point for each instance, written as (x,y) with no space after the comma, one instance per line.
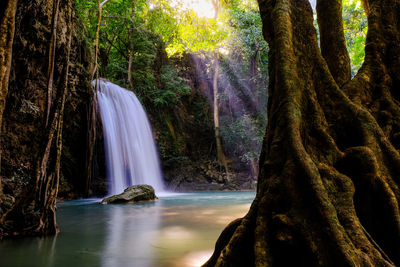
(178,230)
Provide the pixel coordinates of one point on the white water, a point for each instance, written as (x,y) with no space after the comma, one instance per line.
(131,154)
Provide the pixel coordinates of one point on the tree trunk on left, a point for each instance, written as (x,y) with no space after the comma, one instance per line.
(7,27)
(33,212)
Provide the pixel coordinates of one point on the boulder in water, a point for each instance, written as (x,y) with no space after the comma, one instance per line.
(132,194)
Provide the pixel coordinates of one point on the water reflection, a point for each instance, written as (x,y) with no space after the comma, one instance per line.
(42,249)
(194,259)
(131,231)
(175,231)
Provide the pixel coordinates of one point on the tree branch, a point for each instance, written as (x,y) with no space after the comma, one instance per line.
(96,41)
(118,48)
(103,3)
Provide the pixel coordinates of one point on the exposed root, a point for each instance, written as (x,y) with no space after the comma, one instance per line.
(328,191)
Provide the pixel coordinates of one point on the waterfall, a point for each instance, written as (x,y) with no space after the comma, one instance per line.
(131,154)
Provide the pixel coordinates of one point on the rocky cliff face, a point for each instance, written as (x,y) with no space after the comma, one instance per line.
(23,121)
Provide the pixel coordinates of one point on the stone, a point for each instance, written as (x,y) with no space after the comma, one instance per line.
(132,194)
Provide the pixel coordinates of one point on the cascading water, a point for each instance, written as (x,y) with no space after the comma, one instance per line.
(131,154)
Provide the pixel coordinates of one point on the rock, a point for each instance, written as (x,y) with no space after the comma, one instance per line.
(132,194)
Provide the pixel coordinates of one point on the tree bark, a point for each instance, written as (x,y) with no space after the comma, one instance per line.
(328,189)
(37,202)
(7,28)
(333,44)
(52,51)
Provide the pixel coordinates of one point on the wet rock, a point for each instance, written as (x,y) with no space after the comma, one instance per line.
(132,194)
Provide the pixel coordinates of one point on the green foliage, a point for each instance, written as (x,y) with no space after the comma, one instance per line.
(355,28)
(196,34)
(245,32)
(156,82)
(161,20)
(245,135)
(173,86)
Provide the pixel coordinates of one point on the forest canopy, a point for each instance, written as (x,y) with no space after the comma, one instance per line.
(190,26)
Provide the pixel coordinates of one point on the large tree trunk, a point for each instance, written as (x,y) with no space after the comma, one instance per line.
(52,51)
(7,27)
(33,213)
(328,190)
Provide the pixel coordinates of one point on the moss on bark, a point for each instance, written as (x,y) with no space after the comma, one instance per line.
(328,191)
(28,140)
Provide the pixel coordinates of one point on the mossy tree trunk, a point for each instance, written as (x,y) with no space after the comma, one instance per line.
(52,51)
(328,189)
(33,212)
(7,28)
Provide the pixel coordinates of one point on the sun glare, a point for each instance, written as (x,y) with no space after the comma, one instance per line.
(203,8)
